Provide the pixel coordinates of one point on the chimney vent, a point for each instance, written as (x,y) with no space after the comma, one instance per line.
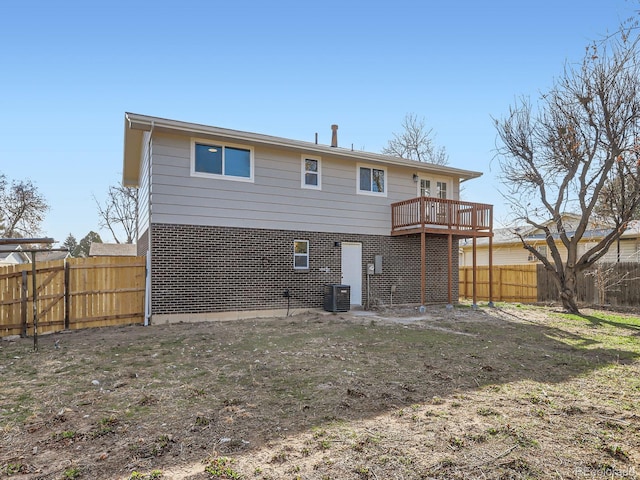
(334,135)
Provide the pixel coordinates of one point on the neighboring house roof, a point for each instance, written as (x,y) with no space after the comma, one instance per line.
(136,125)
(112,250)
(505,236)
(12,255)
(46,255)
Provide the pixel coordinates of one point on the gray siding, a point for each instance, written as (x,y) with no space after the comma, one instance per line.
(275,199)
(143,188)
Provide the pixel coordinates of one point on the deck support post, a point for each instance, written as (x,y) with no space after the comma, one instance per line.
(450,271)
(491,271)
(423,267)
(474,274)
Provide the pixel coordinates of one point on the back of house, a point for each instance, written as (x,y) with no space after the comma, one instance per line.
(238,224)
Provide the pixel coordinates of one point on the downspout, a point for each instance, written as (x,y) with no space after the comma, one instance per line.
(147,290)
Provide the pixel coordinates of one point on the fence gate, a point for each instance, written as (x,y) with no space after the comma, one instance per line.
(106,291)
(16,298)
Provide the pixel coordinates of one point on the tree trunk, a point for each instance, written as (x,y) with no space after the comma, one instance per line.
(568,291)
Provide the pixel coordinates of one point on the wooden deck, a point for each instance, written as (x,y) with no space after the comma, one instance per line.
(441,217)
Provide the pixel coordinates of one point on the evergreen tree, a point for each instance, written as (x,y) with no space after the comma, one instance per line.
(82,250)
(71,244)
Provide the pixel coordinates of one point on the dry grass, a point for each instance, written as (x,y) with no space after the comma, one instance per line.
(501,393)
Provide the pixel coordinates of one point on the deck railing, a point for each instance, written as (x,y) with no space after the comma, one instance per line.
(441,214)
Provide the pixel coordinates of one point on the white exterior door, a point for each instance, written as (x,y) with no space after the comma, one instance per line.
(352,270)
(434,187)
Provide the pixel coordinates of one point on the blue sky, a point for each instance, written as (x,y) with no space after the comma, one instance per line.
(70,69)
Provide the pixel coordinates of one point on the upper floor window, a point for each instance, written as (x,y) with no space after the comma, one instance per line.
(311,172)
(371,181)
(442,189)
(234,162)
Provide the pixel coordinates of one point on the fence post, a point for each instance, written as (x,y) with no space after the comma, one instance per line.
(24,298)
(66,294)
(466,281)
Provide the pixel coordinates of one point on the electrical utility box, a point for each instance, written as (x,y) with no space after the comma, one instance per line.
(377,261)
(337,298)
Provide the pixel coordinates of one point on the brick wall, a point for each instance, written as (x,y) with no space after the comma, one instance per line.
(200,269)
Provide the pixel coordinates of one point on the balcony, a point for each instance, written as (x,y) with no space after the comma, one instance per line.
(441,217)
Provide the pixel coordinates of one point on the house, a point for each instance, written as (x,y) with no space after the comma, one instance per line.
(14,251)
(508,250)
(235,223)
(13,255)
(98,249)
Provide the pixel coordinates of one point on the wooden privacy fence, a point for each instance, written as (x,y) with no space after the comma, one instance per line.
(602,284)
(71,294)
(511,283)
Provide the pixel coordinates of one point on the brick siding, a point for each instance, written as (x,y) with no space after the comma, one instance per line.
(202,269)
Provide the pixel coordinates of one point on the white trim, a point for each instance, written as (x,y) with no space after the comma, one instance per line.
(303,172)
(204,141)
(295,255)
(372,168)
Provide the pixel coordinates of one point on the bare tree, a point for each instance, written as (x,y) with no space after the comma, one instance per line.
(415,142)
(22,208)
(611,200)
(584,135)
(120,212)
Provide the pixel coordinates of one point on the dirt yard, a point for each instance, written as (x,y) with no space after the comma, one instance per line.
(504,393)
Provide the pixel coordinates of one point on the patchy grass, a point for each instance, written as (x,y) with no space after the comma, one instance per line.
(510,392)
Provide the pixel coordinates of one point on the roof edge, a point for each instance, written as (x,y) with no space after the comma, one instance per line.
(136,124)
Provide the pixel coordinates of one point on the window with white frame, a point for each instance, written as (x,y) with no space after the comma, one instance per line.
(372,180)
(213,159)
(311,172)
(439,189)
(301,254)
(425,187)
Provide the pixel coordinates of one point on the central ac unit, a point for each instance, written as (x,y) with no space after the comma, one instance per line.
(337,298)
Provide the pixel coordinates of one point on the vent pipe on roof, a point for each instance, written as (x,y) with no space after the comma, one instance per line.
(316,138)
(334,135)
